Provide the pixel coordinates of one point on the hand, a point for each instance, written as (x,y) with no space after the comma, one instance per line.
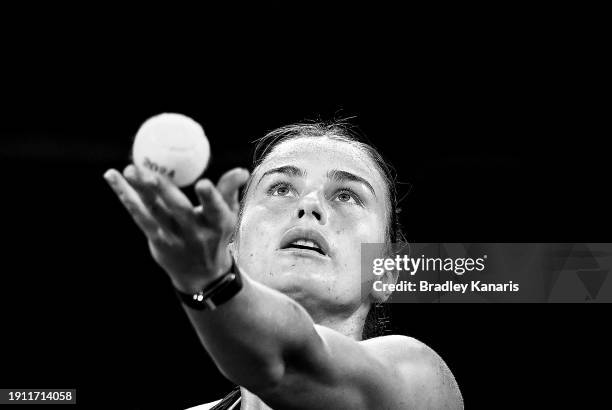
(189,243)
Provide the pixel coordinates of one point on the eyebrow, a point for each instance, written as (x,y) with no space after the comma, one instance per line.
(288,170)
(344,176)
(334,175)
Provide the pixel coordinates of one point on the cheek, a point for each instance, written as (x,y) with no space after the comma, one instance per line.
(253,245)
(349,233)
(357,228)
(259,228)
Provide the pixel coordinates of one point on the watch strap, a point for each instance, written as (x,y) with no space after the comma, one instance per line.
(215,293)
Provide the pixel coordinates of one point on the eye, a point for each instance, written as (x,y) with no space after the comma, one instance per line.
(347,196)
(281,189)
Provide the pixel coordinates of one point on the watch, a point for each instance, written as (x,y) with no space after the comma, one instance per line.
(215,293)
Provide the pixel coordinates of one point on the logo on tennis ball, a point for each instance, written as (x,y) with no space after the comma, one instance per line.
(148,163)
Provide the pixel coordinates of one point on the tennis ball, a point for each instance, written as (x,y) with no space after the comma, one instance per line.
(172,145)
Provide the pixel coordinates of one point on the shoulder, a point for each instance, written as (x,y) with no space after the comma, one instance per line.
(398,345)
(205,406)
(421,369)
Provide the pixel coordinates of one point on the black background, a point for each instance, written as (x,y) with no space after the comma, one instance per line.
(499,139)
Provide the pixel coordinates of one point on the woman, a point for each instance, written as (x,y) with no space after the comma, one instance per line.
(286,317)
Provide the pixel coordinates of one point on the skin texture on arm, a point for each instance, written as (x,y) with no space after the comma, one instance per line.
(274,350)
(392,372)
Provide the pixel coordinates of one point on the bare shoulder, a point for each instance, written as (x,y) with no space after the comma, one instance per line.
(425,375)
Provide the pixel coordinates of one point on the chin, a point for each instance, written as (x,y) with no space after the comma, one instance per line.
(296,274)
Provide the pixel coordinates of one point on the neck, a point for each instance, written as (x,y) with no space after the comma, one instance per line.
(350,326)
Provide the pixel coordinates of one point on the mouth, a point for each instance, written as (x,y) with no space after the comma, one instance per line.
(306,240)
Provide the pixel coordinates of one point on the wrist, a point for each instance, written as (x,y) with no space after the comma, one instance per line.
(199,278)
(190,285)
(214,293)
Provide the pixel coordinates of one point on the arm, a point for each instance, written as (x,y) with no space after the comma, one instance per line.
(262,339)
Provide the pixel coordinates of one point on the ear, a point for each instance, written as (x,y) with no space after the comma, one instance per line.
(387,278)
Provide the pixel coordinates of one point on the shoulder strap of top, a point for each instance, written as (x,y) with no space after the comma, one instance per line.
(228,401)
(237,402)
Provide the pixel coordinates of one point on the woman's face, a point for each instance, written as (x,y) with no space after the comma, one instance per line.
(310,206)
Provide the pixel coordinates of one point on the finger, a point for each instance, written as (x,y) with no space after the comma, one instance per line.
(150,199)
(132,202)
(229,184)
(171,196)
(214,208)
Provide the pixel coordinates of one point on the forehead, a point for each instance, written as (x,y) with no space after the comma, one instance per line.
(321,154)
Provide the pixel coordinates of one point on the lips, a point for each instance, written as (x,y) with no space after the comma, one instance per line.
(307,239)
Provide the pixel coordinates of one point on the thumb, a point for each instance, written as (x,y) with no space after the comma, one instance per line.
(230,183)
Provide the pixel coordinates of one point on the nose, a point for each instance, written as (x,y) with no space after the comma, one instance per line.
(311,205)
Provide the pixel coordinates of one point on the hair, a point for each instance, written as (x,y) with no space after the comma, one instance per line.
(378,320)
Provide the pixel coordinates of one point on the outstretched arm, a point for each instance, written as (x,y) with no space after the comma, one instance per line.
(262,339)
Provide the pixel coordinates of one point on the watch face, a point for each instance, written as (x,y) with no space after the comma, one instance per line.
(218,292)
